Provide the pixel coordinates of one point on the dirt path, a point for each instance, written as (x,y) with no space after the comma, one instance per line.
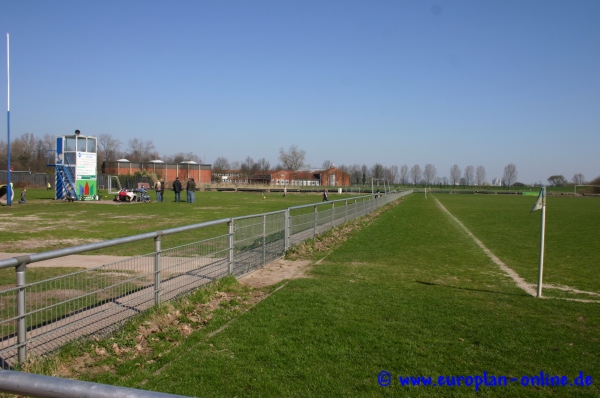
(276,272)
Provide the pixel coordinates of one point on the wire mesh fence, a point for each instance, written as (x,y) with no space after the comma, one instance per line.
(41,316)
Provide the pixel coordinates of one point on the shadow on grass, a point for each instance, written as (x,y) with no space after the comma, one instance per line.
(474,290)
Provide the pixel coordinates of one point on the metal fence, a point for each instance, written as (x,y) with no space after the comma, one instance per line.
(25,179)
(39,317)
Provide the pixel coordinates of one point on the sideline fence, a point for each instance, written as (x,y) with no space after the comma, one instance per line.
(39,317)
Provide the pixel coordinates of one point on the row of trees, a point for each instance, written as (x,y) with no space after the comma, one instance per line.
(31,153)
(560,180)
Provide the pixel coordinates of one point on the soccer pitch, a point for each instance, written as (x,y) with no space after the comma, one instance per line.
(506,227)
(410,298)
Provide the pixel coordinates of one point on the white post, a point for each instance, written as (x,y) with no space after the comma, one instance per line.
(9,188)
(542,234)
(231,230)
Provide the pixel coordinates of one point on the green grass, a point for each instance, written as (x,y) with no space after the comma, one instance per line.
(44,224)
(506,226)
(411,294)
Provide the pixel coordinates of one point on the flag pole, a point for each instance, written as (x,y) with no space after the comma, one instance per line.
(8,185)
(542,236)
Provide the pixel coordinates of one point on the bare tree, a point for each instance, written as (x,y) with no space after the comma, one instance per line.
(377,171)
(355,174)
(480,175)
(365,173)
(191,156)
(248,168)
(469,175)
(510,174)
(326,165)
(557,180)
(293,159)
(578,179)
(263,165)
(182,157)
(3,155)
(392,174)
(415,174)
(177,158)
(108,147)
(22,152)
(429,173)
(42,148)
(235,165)
(221,164)
(454,174)
(403,174)
(140,151)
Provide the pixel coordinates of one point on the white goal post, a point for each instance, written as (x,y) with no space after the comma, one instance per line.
(575,188)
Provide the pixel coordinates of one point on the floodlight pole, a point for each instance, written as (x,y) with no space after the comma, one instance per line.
(542,238)
(9,192)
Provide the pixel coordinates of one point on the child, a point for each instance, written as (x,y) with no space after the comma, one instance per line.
(23,193)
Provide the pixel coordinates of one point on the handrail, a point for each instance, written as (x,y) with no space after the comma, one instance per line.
(34,385)
(331,201)
(32,258)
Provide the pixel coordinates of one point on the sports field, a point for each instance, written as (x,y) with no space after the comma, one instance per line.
(411,294)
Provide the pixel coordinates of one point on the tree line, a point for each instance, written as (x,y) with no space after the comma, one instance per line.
(561,181)
(31,154)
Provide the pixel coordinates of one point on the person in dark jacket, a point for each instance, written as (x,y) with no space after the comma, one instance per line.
(191,190)
(177,189)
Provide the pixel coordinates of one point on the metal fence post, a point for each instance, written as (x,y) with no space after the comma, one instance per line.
(157,249)
(21,310)
(316,217)
(264,233)
(286,227)
(332,215)
(230,256)
(346,210)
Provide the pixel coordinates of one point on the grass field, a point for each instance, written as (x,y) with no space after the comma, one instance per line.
(507,228)
(410,294)
(45,224)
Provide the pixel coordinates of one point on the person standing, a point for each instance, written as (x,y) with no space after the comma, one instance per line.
(325,195)
(162,190)
(191,190)
(177,189)
(158,188)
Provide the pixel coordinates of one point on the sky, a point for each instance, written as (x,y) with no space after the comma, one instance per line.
(395,82)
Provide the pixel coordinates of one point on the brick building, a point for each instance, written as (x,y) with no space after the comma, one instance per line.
(201,173)
(331,177)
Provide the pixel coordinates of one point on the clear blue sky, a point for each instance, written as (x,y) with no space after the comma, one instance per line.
(394,82)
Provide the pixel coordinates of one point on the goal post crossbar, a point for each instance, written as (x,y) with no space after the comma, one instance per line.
(582,185)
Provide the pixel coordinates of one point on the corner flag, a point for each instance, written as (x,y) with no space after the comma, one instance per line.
(540,202)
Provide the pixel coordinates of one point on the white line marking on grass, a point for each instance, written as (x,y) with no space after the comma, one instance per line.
(522,283)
